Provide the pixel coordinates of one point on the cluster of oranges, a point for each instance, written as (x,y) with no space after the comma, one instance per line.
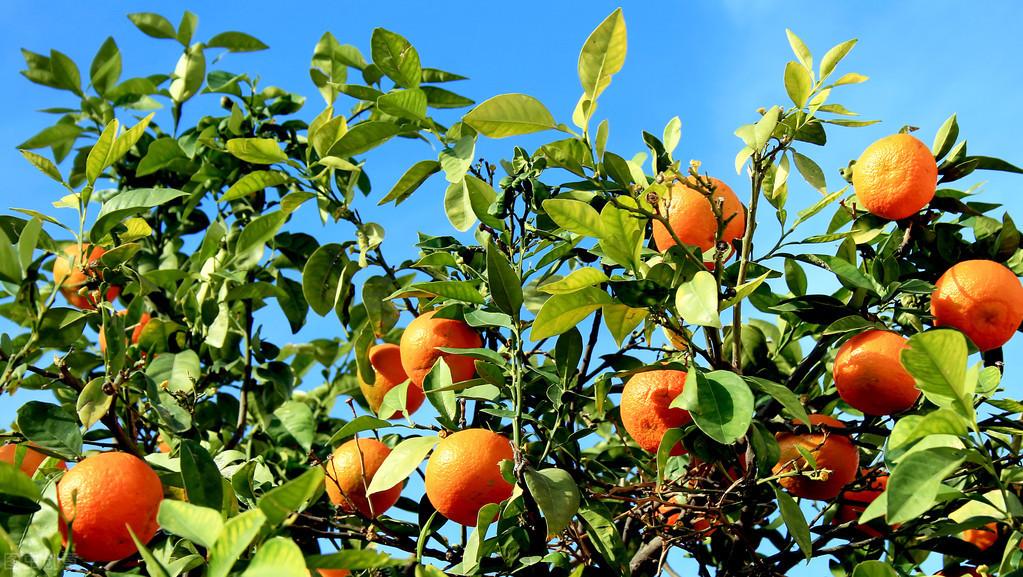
(463,473)
(894,178)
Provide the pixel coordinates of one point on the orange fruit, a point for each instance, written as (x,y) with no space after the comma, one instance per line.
(136,332)
(329,572)
(960,572)
(386,361)
(832,451)
(869,374)
(982,537)
(30,461)
(350,470)
(645,407)
(692,217)
(464,474)
(102,496)
(895,176)
(163,446)
(981,298)
(854,503)
(698,523)
(419,345)
(69,273)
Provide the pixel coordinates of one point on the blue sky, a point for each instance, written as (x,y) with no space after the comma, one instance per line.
(711,64)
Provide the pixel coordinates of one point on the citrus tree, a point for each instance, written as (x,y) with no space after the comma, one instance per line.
(601,370)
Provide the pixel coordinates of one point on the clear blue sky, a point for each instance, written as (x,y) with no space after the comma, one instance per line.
(712,64)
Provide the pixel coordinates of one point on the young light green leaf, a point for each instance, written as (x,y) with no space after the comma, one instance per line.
(937,361)
(200,525)
(256,150)
(578,279)
(603,54)
(253,182)
(458,206)
(622,240)
(799,49)
(621,320)
(561,312)
(292,497)
(798,83)
(363,137)
(834,56)
(93,402)
(913,485)
(510,115)
(401,462)
(574,216)
(672,136)
(697,300)
(234,539)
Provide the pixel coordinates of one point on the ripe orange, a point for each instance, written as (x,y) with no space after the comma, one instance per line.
(832,451)
(854,503)
(464,474)
(135,332)
(981,298)
(895,176)
(692,217)
(386,361)
(30,461)
(70,276)
(982,537)
(102,496)
(645,407)
(698,523)
(419,345)
(869,375)
(329,572)
(349,472)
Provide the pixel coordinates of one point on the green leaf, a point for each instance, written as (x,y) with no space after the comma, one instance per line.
(510,115)
(277,557)
(820,205)
(563,311)
(834,56)
(671,137)
(455,160)
(129,203)
(10,268)
(481,197)
(236,42)
(697,300)
(913,485)
(723,406)
(783,395)
(253,182)
(363,137)
(603,54)
(574,216)
(203,481)
(256,150)
(458,206)
(557,495)
(188,74)
(401,462)
(382,313)
(52,135)
(163,153)
(409,182)
(937,361)
(106,67)
(622,240)
(396,57)
(621,320)
(464,291)
(798,83)
(292,497)
(578,279)
(298,421)
(668,443)
(45,165)
(50,427)
(505,284)
(153,25)
(438,388)
(404,103)
(93,403)
(357,425)
(200,525)
(354,559)
(322,277)
(153,565)
(65,72)
(234,539)
(799,49)
(810,172)
(15,483)
(874,568)
(794,520)
(437,97)
(177,372)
